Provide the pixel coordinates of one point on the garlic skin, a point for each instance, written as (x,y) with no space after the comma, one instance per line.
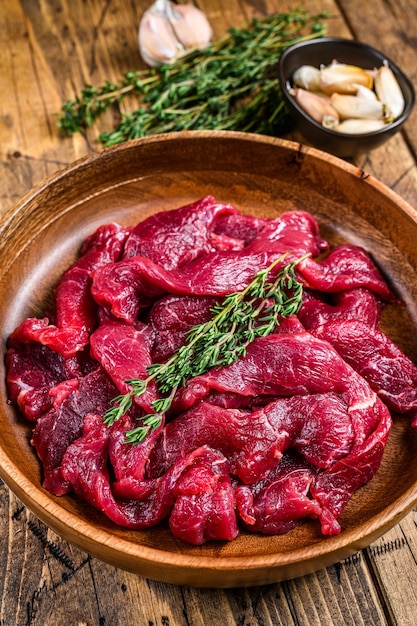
(389,91)
(168,30)
(342,78)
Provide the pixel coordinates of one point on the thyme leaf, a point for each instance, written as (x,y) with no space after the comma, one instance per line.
(238,320)
(230,85)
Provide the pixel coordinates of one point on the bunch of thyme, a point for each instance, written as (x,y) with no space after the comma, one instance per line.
(236,322)
(230,85)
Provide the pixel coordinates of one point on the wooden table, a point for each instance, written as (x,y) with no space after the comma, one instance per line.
(49,50)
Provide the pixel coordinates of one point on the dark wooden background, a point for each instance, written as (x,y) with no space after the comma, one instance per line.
(50,49)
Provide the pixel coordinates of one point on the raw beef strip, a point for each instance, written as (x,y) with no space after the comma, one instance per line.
(389,372)
(317,425)
(238,226)
(32,369)
(63,423)
(289,365)
(75,308)
(354,304)
(276,504)
(293,230)
(123,288)
(130,463)
(204,506)
(85,469)
(174,238)
(346,267)
(335,486)
(172,317)
(123,351)
(280,365)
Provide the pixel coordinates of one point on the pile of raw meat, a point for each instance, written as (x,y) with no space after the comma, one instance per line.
(288,432)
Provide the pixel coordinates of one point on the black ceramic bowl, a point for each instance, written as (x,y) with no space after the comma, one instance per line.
(322,52)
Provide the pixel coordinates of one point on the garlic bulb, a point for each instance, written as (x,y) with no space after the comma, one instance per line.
(168,30)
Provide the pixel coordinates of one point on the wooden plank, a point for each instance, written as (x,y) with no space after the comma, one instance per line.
(49,51)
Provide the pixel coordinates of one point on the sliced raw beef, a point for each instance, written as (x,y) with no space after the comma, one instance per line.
(293,230)
(174,238)
(200,484)
(172,317)
(287,432)
(334,487)
(124,288)
(346,267)
(318,426)
(354,304)
(123,351)
(75,313)
(390,373)
(63,423)
(237,226)
(275,505)
(277,365)
(204,506)
(32,369)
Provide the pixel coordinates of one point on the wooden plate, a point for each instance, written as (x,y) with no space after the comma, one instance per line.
(41,236)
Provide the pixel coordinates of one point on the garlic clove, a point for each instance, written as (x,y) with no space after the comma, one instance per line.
(167,30)
(353,107)
(307,77)
(388,91)
(365,92)
(157,41)
(359,126)
(341,78)
(316,106)
(191,26)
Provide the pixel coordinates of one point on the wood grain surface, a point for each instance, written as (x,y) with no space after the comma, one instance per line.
(49,50)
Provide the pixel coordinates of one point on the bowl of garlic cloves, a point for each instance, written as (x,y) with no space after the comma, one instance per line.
(346,97)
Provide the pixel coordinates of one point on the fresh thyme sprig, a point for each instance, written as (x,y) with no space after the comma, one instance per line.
(237,321)
(231,85)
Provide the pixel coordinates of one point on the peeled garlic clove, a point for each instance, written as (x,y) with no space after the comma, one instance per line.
(316,106)
(350,106)
(388,91)
(341,78)
(157,41)
(359,126)
(191,26)
(365,92)
(307,77)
